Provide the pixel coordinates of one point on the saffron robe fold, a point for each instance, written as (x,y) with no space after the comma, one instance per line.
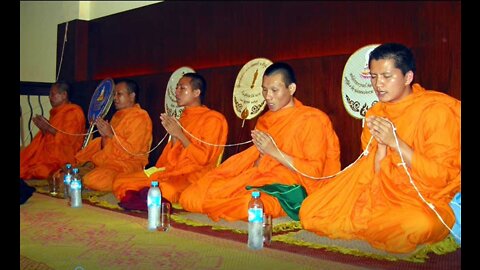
(47,152)
(182,166)
(126,152)
(302,132)
(384,208)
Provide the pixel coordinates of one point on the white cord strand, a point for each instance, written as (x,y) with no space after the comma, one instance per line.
(364,153)
(403,164)
(140,153)
(207,143)
(63,49)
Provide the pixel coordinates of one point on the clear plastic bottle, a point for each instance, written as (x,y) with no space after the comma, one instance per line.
(67,178)
(75,189)
(255,221)
(154,200)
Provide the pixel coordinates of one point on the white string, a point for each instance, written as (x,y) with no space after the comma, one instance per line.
(58,130)
(140,153)
(207,143)
(63,48)
(364,153)
(403,164)
(68,133)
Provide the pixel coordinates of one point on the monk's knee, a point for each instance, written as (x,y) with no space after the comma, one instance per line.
(169,192)
(190,200)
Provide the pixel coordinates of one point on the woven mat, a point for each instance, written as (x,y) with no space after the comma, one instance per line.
(281,224)
(56,236)
(362,248)
(284,230)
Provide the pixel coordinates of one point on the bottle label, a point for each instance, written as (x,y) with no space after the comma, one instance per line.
(155,201)
(255,215)
(75,184)
(67,179)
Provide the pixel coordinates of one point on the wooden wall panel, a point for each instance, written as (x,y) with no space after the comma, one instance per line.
(438,51)
(316,38)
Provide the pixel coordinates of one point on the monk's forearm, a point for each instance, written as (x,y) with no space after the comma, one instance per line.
(184,140)
(379,156)
(407,152)
(283,158)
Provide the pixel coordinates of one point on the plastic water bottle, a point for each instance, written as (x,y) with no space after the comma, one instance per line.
(154,199)
(255,221)
(67,178)
(75,190)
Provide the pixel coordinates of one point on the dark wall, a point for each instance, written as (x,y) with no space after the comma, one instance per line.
(218,38)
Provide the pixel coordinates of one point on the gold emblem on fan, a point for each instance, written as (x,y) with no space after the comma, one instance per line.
(102,95)
(244,113)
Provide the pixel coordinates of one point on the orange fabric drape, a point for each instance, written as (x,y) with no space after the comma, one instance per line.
(183,166)
(47,152)
(384,208)
(133,128)
(302,132)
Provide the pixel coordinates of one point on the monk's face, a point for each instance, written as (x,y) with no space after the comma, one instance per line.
(276,93)
(122,97)
(185,95)
(389,83)
(56,97)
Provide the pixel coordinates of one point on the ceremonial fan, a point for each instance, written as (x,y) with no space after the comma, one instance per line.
(248,100)
(99,105)
(171,107)
(357,91)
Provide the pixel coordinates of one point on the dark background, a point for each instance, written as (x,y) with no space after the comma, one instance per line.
(217,38)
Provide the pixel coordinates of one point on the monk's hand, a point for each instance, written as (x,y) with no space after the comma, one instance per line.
(104,128)
(42,123)
(263,142)
(382,130)
(171,125)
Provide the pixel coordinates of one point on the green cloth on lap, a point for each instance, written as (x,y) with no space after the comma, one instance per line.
(290,197)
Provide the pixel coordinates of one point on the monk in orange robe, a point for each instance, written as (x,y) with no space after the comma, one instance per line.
(288,136)
(184,159)
(58,139)
(123,144)
(375,200)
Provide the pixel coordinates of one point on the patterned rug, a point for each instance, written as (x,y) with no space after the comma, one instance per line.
(284,230)
(55,236)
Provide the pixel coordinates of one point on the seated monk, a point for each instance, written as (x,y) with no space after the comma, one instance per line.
(58,139)
(184,159)
(289,135)
(375,200)
(124,151)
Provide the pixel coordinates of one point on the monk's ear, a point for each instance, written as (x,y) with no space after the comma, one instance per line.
(292,88)
(64,95)
(197,92)
(408,77)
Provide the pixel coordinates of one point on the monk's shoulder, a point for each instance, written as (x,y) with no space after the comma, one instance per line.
(214,114)
(312,112)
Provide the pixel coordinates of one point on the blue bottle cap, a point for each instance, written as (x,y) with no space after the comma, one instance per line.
(256,194)
(154,184)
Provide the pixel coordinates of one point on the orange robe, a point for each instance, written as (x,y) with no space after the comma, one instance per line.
(302,132)
(183,166)
(47,152)
(384,208)
(133,128)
